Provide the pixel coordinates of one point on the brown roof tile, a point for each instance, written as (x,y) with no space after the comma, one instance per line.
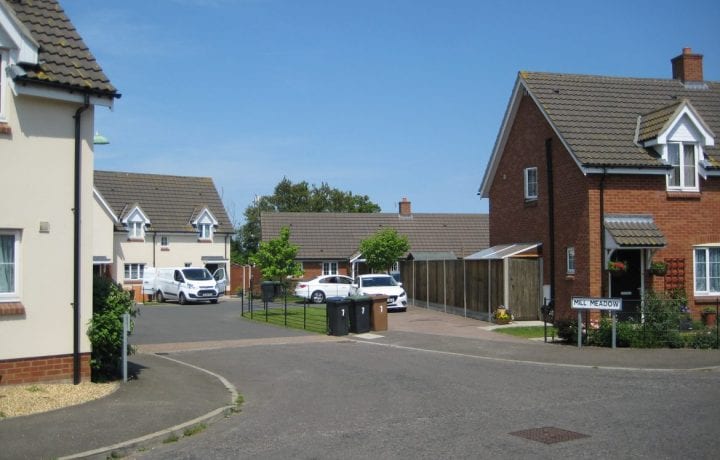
(336,236)
(64,59)
(170,202)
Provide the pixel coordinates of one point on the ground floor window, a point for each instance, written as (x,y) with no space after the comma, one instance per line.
(134,272)
(707,271)
(9,253)
(330,268)
(570,260)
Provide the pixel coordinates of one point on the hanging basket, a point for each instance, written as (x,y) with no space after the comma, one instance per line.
(657,271)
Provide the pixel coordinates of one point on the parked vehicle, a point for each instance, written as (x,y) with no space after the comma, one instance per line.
(318,289)
(184,284)
(381,284)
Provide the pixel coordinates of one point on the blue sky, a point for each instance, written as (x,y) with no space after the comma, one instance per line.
(386,98)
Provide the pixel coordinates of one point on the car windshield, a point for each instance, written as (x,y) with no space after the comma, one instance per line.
(378,281)
(197,274)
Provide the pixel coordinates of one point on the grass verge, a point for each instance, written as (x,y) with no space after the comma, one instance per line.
(310,318)
(527,332)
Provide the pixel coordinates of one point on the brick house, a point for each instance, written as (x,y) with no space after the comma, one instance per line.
(328,242)
(156,220)
(50,85)
(602,169)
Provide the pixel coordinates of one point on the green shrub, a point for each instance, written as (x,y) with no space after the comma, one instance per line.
(567,329)
(703,339)
(110,302)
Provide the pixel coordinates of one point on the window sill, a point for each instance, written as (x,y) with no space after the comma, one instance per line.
(570,276)
(164,249)
(132,282)
(5,128)
(531,202)
(204,240)
(12,309)
(136,240)
(683,195)
(706,299)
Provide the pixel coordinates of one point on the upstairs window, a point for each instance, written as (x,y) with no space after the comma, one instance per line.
(531,184)
(570,259)
(136,230)
(205,231)
(683,159)
(135,222)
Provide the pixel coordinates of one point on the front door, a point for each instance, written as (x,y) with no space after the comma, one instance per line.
(627,285)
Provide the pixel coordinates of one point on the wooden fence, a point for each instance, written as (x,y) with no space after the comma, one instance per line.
(475,288)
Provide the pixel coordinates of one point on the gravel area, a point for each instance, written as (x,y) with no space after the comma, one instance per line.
(19,400)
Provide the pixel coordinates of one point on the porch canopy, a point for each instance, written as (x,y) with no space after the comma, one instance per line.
(503,251)
(632,231)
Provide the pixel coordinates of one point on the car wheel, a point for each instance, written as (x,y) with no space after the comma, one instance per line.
(181,299)
(160,297)
(317,297)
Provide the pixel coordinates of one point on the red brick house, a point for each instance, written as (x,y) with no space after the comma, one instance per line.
(602,169)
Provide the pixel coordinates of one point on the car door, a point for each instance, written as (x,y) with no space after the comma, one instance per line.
(329,286)
(221,279)
(343,286)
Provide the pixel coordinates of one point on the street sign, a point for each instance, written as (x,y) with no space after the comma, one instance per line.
(593,303)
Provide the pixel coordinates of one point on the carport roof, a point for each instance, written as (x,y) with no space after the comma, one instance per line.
(503,251)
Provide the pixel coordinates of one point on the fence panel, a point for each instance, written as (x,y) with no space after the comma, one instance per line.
(525,290)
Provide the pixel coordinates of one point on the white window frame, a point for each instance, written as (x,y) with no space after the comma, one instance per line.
(329,268)
(205,231)
(707,272)
(528,193)
(15,293)
(570,260)
(133,269)
(136,230)
(3,84)
(682,166)
(164,242)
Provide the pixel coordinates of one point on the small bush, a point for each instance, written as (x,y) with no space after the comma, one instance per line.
(567,329)
(703,339)
(110,302)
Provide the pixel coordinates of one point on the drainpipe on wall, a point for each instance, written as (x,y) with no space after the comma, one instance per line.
(551,213)
(76,257)
(603,281)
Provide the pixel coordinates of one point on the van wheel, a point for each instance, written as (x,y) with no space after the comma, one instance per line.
(181,299)
(160,297)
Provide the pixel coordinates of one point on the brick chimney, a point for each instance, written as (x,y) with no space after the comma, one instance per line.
(405,209)
(688,66)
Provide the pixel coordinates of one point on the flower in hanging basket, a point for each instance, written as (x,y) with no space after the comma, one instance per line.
(617,266)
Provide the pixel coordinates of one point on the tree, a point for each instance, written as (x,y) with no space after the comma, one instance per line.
(289,197)
(276,258)
(383,249)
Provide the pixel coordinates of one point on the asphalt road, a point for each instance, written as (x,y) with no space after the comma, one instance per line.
(355,399)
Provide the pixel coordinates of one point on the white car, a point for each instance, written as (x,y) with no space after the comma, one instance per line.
(382,284)
(318,289)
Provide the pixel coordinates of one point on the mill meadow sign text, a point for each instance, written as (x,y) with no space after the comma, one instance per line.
(592,303)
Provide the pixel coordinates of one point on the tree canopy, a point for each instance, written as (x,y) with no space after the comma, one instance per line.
(276,258)
(383,249)
(290,197)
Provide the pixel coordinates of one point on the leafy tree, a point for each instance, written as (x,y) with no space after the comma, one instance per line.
(383,249)
(110,302)
(290,197)
(276,258)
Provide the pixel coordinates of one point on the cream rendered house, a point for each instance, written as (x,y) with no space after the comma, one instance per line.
(153,220)
(50,84)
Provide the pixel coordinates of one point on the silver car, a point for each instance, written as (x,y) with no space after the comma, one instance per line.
(320,288)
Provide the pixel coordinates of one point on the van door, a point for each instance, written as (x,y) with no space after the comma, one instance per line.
(221,279)
(173,288)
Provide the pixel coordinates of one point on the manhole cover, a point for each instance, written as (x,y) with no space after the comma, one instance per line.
(549,435)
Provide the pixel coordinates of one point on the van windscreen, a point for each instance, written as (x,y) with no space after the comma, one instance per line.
(197,274)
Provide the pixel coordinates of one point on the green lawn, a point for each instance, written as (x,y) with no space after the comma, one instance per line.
(311,318)
(528,332)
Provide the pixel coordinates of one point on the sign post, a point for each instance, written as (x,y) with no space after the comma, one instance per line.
(593,303)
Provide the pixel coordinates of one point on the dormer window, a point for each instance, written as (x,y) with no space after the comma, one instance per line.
(683,159)
(135,222)
(205,224)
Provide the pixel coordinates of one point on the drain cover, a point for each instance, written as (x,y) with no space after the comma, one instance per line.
(549,435)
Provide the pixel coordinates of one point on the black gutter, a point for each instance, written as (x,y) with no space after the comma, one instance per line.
(76,258)
(551,214)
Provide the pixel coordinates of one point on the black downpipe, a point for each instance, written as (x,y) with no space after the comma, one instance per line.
(76,258)
(551,214)
(603,278)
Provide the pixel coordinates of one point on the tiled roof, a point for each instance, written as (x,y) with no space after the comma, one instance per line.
(170,202)
(337,236)
(598,116)
(634,231)
(64,59)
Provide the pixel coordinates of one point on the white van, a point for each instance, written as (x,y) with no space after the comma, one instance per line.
(184,284)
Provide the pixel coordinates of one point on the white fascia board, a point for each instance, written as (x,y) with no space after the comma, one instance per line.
(203,213)
(59,94)
(105,205)
(24,44)
(501,139)
(136,210)
(686,108)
